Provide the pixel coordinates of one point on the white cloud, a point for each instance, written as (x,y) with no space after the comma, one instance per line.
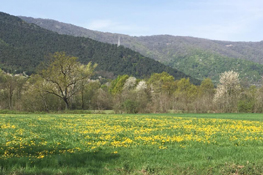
(115,27)
(228,19)
(100,24)
(235,20)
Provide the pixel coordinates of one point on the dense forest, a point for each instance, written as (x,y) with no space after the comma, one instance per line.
(23,46)
(206,64)
(199,58)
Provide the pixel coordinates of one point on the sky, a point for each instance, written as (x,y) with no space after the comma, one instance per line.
(228,20)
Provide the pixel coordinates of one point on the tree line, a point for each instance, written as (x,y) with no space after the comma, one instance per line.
(64,83)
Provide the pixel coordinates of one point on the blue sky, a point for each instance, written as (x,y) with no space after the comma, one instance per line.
(231,20)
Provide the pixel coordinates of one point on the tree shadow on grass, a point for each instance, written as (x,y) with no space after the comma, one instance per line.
(92,162)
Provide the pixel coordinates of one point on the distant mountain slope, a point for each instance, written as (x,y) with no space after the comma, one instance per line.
(23,46)
(252,51)
(182,53)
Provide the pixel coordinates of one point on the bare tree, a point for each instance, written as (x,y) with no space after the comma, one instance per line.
(64,76)
(11,85)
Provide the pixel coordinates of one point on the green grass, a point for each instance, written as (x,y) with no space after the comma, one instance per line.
(234,116)
(131,144)
(6,111)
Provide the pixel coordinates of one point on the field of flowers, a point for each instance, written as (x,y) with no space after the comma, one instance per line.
(129,144)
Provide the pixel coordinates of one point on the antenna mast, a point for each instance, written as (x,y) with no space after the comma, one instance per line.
(119,41)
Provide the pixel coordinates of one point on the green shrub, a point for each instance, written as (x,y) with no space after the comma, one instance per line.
(130,106)
(245,106)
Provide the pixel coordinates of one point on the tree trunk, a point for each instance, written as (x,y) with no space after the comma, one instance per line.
(82,98)
(67,103)
(10,97)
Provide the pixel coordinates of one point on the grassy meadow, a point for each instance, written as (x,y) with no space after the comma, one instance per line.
(131,144)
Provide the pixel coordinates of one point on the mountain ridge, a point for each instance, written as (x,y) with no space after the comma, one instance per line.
(26,45)
(175,51)
(165,38)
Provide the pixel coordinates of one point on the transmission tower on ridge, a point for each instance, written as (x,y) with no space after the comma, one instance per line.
(119,41)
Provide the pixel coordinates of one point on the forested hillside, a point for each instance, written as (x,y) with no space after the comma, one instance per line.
(23,46)
(207,64)
(197,57)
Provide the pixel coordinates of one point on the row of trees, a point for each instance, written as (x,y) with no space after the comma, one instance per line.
(63,83)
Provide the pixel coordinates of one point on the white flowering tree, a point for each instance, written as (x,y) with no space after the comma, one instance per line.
(141,86)
(228,91)
(129,83)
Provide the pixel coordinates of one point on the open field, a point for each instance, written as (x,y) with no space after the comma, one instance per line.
(131,144)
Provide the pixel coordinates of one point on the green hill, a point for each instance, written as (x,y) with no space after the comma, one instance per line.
(194,56)
(23,46)
(201,64)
